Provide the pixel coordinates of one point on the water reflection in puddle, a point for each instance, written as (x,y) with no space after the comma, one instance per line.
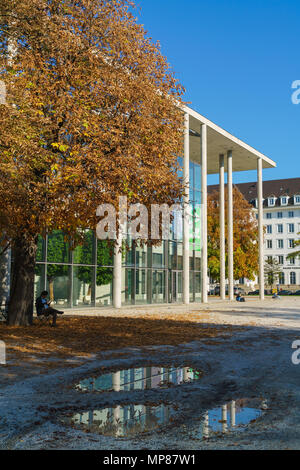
(133,419)
(124,421)
(143,378)
(230,416)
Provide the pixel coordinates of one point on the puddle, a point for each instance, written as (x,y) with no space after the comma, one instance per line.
(234,415)
(124,420)
(143,378)
(132,419)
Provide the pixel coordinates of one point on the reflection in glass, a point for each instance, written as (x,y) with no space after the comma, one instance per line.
(39,280)
(85,253)
(57,248)
(104,287)
(82,285)
(58,283)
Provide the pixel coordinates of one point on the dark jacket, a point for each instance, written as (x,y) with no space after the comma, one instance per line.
(39,306)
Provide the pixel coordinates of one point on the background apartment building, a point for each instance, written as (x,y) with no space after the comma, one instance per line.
(281,216)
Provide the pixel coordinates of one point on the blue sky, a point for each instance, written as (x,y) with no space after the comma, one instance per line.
(237,60)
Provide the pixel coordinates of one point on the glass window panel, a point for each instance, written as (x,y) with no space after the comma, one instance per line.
(197,175)
(104,287)
(179,256)
(57,249)
(41,244)
(172,255)
(128,286)
(197,197)
(83,286)
(59,284)
(158,256)
(85,253)
(141,256)
(191,174)
(158,287)
(197,286)
(143,286)
(105,251)
(39,280)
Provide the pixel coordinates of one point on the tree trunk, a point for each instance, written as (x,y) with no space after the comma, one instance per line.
(20,311)
(51,289)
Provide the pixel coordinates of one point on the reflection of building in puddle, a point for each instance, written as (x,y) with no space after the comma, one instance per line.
(122,421)
(234,414)
(143,378)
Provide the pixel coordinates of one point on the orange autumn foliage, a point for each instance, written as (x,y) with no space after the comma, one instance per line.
(245,237)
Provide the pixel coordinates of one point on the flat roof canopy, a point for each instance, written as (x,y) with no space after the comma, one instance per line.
(219,141)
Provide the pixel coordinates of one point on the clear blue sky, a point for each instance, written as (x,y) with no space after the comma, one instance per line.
(237,60)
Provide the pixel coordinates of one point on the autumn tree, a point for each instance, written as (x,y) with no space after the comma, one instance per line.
(92,112)
(295,254)
(245,237)
(272,270)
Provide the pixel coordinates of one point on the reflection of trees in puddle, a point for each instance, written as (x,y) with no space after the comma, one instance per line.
(124,420)
(133,419)
(143,378)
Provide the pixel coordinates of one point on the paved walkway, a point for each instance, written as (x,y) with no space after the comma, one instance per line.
(270,312)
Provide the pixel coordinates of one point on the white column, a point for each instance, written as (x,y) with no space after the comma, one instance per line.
(117,280)
(204,210)
(186,199)
(260,229)
(222,228)
(230,226)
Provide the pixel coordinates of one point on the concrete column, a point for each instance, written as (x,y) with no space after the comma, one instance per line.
(186,200)
(222,228)
(260,229)
(230,226)
(117,280)
(204,210)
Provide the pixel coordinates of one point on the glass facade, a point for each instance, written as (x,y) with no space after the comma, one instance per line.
(83,277)
(79,278)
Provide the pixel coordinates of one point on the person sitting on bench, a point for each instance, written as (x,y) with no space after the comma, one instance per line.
(43,308)
(239,298)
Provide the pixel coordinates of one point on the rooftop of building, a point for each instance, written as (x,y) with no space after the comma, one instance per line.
(289,188)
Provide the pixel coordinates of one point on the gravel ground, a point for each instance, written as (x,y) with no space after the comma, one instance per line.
(254,362)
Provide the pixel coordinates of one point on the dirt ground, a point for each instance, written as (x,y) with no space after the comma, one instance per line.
(243,351)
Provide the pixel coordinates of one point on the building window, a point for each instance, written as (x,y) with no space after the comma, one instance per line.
(280,244)
(292,278)
(269,229)
(284,201)
(291,243)
(271,201)
(269,215)
(292,261)
(280,259)
(279,228)
(281,278)
(297,199)
(279,215)
(291,214)
(269,244)
(291,228)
